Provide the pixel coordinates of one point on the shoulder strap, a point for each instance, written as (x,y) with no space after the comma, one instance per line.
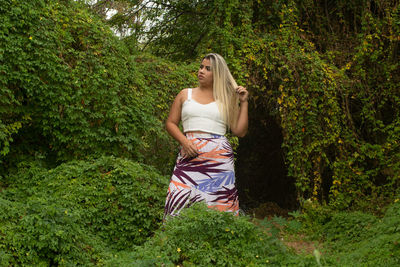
(189,93)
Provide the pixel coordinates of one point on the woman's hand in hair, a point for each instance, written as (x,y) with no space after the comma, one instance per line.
(243,93)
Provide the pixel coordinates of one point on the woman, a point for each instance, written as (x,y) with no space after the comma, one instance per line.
(204,169)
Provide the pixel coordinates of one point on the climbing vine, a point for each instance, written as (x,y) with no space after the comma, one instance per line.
(332,87)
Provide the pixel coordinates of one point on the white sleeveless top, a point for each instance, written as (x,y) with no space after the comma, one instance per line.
(201,117)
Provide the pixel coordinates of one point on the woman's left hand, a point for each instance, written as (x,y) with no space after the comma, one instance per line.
(243,93)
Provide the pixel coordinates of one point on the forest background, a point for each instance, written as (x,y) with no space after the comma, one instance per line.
(85,158)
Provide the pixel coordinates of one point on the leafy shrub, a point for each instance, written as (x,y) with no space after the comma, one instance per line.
(202,237)
(72,88)
(40,232)
(72,78)
(314,216)
(279,223)
(381,247)
(163,80)
(348,227)
(357,238)
(119,200)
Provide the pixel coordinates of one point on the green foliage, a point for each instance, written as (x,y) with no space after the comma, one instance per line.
(290,81)
(315,215)
(278,226)
(118,200)
(370,169)
(71,88)
(163,80)
(340,134)
(348,227)
(376,244)
(200,236)
(355,238)
(327,72)
(124,20)
(73,78)
(338,124)
(41,232)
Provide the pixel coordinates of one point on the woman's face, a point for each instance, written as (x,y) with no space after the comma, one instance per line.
(205,74)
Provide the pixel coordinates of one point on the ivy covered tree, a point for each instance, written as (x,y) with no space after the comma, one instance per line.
(71,89)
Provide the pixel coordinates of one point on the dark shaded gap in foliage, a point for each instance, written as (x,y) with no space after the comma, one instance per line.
(261,174)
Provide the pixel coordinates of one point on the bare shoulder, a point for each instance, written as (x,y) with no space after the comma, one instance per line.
(182,95)
(184,92)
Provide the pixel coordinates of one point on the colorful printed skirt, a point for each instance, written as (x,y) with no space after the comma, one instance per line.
(209,177)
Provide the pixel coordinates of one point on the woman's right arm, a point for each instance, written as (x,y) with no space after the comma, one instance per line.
(188,148)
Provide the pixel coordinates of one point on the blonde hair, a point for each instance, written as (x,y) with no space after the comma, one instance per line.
(224,89)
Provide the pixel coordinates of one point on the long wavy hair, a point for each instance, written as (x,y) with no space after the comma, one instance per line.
(224,89)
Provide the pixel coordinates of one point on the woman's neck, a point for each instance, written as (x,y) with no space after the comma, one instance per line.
(205,87)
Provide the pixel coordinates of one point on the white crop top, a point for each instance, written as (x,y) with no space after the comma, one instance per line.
(201,117)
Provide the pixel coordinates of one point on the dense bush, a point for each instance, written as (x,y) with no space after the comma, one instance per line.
(374,244)
(348,227)
(70,88)
(42,232)
(94,212)
(71,79)
(355,238)
(202,237)
(163,80)
(119,200)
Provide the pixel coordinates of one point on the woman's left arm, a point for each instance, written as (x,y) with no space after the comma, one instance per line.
(243,120)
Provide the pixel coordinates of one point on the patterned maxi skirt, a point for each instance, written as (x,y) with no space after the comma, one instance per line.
(209,177)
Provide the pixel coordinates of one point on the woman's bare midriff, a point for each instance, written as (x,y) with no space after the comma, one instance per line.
(196,132)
